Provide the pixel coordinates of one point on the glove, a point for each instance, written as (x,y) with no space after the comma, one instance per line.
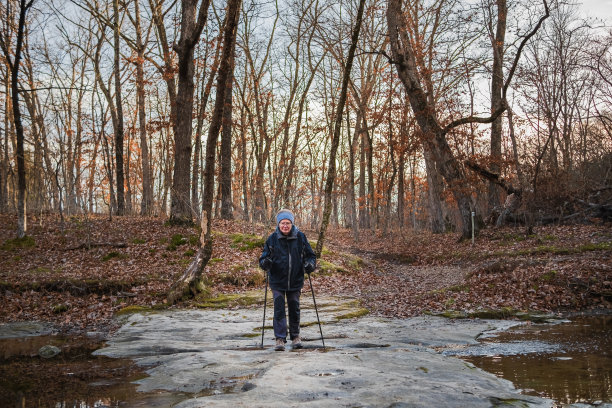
(266,264)
(309,267)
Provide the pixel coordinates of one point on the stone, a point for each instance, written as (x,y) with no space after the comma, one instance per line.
(48,351)
(368,361)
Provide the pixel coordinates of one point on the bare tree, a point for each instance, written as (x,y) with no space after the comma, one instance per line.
(190,281)
(191,28)
(498,41)
(405,59)
(331,171)
(13,66)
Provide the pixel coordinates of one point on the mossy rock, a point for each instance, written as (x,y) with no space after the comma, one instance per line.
(328,268)
(224,301)
(128,310)
(354,314)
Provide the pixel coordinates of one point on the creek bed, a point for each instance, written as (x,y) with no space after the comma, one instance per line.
(569,362)
(72,378)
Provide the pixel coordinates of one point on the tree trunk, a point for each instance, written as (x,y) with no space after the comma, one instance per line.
(191,28)
(191,282)
(146,205)
(3,172)
(331,171)
(119,132)
(435,188)
(226,149)
(14,72)
(497,83)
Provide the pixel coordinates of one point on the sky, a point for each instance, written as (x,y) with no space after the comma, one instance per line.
(598,8)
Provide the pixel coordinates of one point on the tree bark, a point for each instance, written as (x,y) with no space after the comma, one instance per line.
(119,132)
(226,148)
(331,171)
(14,71)
(146,205)
(435,135)
(191,28)
(497,83)
(191,282)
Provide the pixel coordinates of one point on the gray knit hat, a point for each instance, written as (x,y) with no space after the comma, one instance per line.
(284,214)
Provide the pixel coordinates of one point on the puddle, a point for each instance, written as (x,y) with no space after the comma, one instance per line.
(569,362)
(73,378)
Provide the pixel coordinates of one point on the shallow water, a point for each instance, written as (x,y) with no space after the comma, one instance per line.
(73,378)
(569,362)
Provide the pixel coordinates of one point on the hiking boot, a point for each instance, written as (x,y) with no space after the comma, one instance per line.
(280,345)
(297,343)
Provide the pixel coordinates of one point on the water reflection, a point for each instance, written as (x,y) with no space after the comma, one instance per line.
(74,378)
(576,367)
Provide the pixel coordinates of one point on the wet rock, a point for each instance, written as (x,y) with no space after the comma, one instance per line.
(367,361)
(48,351)
(24,329)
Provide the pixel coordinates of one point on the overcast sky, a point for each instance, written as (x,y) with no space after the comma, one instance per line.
(598,8)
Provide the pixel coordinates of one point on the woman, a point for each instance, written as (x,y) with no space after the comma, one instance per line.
(287,254)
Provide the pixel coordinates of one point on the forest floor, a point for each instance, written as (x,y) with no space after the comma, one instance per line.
(79,273)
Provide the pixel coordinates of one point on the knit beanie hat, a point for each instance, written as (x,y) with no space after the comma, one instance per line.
(284,214)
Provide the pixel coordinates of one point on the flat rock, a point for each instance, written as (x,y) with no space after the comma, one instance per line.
(216,355)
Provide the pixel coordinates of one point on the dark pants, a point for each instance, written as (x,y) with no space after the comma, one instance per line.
(280,320)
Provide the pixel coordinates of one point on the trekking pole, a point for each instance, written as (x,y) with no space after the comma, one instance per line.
(264,316)
(316,311)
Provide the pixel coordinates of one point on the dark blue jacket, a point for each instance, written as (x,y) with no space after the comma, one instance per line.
(288,256)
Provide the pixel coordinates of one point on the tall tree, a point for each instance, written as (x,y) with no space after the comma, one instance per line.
(13,67)
(190,281)
(192,25)
(146,205)
(331,170)
(405,59)
(498,41)
(119,131)
(226,147)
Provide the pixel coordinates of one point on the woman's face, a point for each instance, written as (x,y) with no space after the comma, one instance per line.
(285,226)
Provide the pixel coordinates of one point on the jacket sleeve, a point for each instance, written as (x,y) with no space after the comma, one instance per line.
(265,260)
(309,259)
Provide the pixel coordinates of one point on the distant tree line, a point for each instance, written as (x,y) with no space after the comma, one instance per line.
(497,108)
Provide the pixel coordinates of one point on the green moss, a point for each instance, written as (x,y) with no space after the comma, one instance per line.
(194,240)
(189,253)
(246,242)
(59,309)
(41,270)
(18,243)
(138,241)
(357,313)
(175,241)
(601,246)
(548,276)
(324,251)
(223,301)
(240,275)
(326,268)
(354,262)
(423,369)
(133,309)
(112,255)
(214,261)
